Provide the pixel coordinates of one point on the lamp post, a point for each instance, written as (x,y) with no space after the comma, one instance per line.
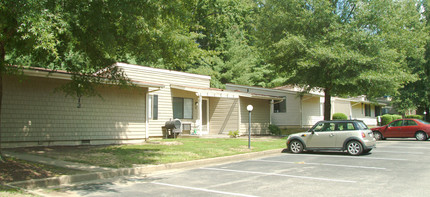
(249,108)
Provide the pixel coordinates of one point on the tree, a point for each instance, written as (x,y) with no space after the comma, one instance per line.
(85,37)
(346,47)
(416,94)
(227,28)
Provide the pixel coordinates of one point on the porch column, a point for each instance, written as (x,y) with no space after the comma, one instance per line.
(147,106)
(200,122)
(271,110)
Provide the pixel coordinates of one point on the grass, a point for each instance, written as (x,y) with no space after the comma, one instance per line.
(161,151)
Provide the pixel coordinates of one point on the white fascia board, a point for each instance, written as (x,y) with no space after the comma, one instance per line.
(120,64)
(217,94)
(271,90)
(67,76)
(47,74)
(367,102)
(265,97)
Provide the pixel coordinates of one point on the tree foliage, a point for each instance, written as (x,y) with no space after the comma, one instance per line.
(227,28)
(87,37)
(416,94)
(345,47)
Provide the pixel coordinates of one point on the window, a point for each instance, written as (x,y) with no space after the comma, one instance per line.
(325,127)
(280,107)
(422,121)
(344,126)
(396,123)
(367,109)
(182,108)
(361,126)
(409,123)
(378,111)
(153,107)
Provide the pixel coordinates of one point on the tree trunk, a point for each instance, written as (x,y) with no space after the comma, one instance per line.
(327,104)
(2,68)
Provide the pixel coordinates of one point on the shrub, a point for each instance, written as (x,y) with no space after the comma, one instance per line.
(233,134)
(339,116)
(387,118)
(415,116)
(274,130)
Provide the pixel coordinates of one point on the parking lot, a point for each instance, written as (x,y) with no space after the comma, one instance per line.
(394,168)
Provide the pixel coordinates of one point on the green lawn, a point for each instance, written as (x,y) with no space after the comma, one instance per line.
(161,151)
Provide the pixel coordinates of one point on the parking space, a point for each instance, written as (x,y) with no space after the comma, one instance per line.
(394,168)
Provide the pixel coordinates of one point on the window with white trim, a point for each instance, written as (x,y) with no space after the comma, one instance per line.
(153,107)
(280,107)
(182,108)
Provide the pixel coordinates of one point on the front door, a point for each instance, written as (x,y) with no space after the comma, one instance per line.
(205,116)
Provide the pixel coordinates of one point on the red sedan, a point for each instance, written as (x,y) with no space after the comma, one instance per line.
(403,128)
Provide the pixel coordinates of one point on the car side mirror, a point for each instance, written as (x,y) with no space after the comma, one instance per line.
(312,131)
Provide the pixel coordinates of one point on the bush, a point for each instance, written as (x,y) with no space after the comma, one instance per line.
(415,116)
(387,118)
(233,134)
(274,130)
(339,116)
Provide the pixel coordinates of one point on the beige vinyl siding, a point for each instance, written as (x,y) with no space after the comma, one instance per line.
(223,115)
(166,77)
(312,111)
(292,115)
(260,117)
(32,114)
(165,111)
(342,106)
(189,95)
(165,94)
(165,108)
(358,113)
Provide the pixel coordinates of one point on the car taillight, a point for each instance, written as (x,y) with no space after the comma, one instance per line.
(363,135)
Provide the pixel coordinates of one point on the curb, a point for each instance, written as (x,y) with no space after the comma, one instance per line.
(136,170)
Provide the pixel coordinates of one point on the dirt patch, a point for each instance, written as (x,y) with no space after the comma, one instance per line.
(18,170)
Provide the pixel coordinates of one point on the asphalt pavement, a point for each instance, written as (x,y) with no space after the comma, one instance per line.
(394,168)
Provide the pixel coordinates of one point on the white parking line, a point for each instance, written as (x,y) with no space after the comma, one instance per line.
(201,189)
(349,157)
(405,147)
(283,175)
(414,153)
(321,164)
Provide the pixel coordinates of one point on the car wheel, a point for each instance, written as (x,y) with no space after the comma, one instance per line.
(377,135)
(354,148)
(296,146)
(421,136)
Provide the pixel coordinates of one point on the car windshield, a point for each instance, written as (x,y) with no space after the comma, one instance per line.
(361,126)
(422,121)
